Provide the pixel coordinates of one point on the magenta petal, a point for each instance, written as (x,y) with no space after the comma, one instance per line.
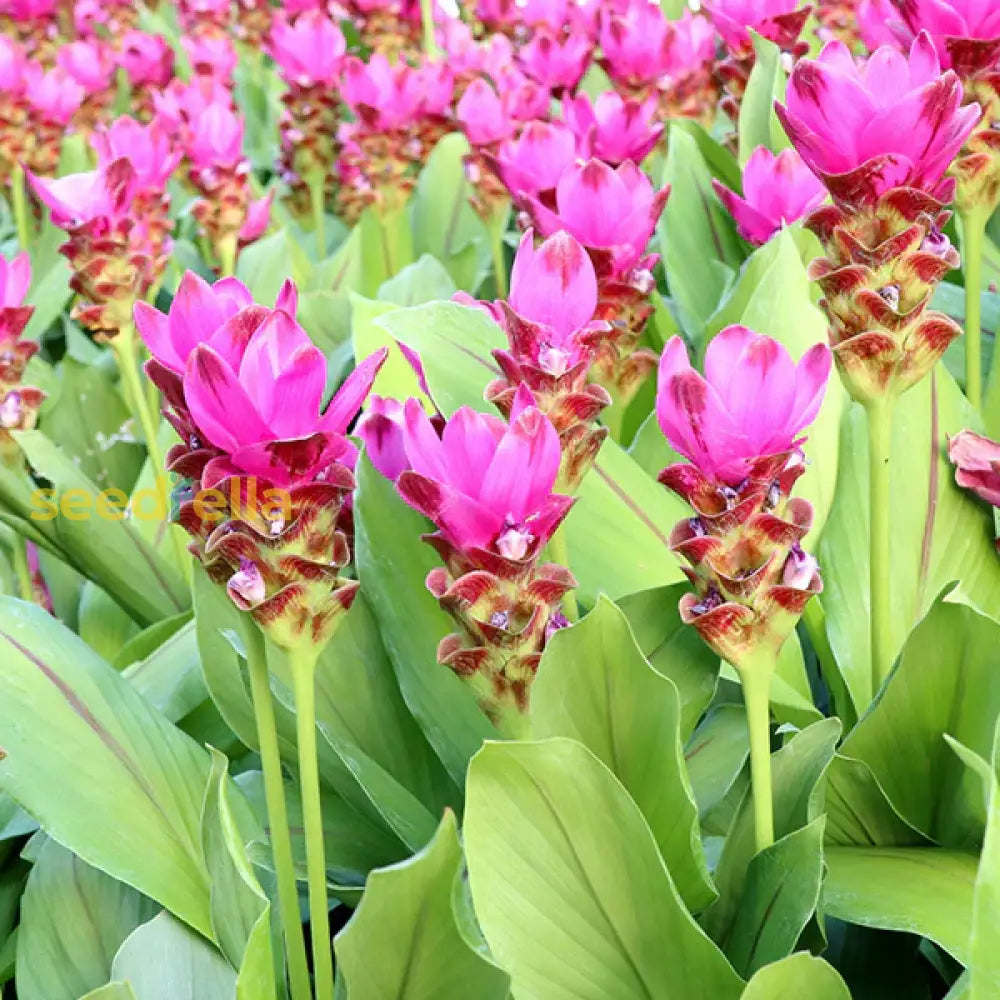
(219,405)
(154,328)
(470,441)
(423,445)
(350,397)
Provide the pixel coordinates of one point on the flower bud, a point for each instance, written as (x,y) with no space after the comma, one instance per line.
(246,586)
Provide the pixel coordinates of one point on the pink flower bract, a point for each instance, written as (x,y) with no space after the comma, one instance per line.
(777,190)
(752,402)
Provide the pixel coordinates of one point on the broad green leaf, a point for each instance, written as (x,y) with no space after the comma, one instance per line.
(944,684)
(797,770)
(240,909)
(922,890)
(699,245)
(984,957)
(64,711)
(74,919)
(87,416)
(111,991)
(326,316)
(116,558)
(595,686)
(404,943)
(721,163)
(50,274)
(779,898)
(102,623)
(674,649)
(445,226)
(773,295)
(164,960)
(716,753)
(425,280)
(392,564)
(795,978)
(264,265)
(939,533)
(572,894)
(758,124)
(396,378)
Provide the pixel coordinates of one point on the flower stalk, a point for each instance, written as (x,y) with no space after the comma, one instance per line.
(303,665)
(19,207)
(277,812)
(22,571)
(973,232)
(756,680)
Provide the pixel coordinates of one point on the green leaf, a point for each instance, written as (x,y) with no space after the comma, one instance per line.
(984,959)
(50,273)
(445,226)
(793,978)
(111,991)
(396,378)
(64,711)
(759,125)
(797,770)
(922,890)
(425,280)
(164,960)
(392,564)
(674,649)
(404,942)
(595,686)
(86,415)
(939,533)
(570,889)
(715,755)
(74,919)
(240,909)
(116,558)
(264,265)
(943,685)
(699,245)
(779,898)
(102,623)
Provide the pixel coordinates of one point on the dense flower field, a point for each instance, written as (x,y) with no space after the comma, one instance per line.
(499,501)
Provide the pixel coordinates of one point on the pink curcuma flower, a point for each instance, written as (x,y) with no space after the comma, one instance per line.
(608,209)
(147,148)
(955,25)
(484,115)
(211,55)
(777,190)
(613,128)
(53,93)
(553,296)
(487,485)
(197,311)
(381,428)
(15,280)
(147,59)
(391,95)
(891,121)
(215,138)
(77,199)
(977,465)
(262,405)
(536,160)
(752,402)
(90,63)
(779,21)
(556,63)
(878,23)
(308,51)
(636,42)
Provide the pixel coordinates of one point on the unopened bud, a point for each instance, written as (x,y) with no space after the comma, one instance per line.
(800,568)
(936,242)
(246,586)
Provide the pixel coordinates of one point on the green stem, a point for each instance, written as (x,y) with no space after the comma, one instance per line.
(19,206)
(559,553)
(973,232)
(303,664)
(227,256)
(317,198)
(499,261)
(427,23)
(879,450)
(277,812)
(126,348)
(756,680)
(22,571)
